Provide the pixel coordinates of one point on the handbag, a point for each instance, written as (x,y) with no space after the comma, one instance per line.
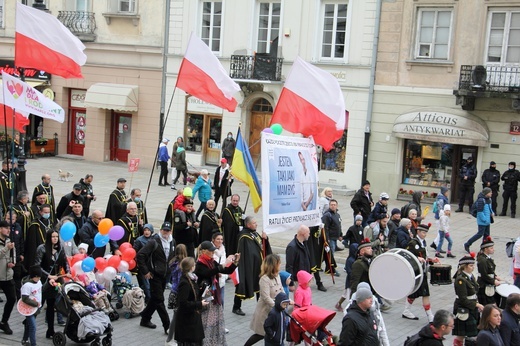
(462,314)
(510,248)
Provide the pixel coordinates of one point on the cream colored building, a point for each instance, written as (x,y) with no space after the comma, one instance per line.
(447,86)
(257,42)
(113,113)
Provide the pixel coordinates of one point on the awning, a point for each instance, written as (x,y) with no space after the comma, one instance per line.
(119,97)
(445,125)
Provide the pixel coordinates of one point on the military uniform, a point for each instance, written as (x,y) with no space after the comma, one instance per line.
(419,250)
(486,269)
(466,288)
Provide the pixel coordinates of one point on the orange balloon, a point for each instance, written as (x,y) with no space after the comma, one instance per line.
(105,225)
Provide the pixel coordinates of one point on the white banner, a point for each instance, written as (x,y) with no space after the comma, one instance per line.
(289,183)
(22,97)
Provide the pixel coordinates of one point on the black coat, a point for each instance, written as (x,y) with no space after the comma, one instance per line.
(152,259)
(358,328)
(361,204)
(470,171)
(231,222)
(63,208)
(87,234)
(208,224)
(297,257)
(116,205)
(379,212)
(221,188)
(491,176)
(251,258)
(188,323)
(509,328)
(428,338)
(511,178)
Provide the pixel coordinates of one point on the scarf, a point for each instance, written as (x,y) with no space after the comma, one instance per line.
(213,281)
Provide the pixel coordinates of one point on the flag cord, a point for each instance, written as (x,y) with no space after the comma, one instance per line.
(157,151)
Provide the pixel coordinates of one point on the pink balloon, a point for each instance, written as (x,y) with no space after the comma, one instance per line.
(116,233)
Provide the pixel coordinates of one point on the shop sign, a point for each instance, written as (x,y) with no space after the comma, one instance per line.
(199,106)
(514,128)
(77,98)
(8,67)
(442,127)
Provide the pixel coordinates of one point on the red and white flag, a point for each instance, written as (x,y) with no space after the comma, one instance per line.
(202,75)
(311,103)
(43,43)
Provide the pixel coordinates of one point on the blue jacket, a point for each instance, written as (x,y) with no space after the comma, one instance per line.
(379,212)
(163,153)
(509,329)
(203,187)
(484,210)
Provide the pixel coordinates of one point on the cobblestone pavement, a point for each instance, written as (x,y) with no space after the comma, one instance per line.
(128,332)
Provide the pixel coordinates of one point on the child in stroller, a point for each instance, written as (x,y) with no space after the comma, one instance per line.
(99,294)
(128,296)
(85,324)
(307,321)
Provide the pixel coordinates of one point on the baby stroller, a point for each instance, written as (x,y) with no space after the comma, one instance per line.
(305,323)
(73,296)
(128,296)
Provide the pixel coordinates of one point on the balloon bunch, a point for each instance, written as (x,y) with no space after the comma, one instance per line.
(108,266)
(275,128)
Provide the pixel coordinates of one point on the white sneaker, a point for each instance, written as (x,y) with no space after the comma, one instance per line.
(170,343)
(227,330)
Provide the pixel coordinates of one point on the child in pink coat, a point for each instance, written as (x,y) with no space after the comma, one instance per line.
(303,294)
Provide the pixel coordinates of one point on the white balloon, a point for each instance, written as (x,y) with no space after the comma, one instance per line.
(109,273)
(100,279)
(123,266)
(77,268)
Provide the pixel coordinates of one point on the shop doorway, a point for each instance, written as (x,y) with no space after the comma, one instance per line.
(261,114)
(460,155)
(78,126)
(214,134)
(121,140)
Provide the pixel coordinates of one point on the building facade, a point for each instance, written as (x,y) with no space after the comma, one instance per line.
(114,112)
(256,41)
(446,89)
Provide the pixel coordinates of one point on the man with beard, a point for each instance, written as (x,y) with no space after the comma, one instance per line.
(7,185)
(209,222)
(232,222)
(24,214)
(185,227)
(130,224)
(117,201)
(135,196)
(87,191)
(67,202)
(89,231)
(36,234)
(252,249)
(45,187)
(221,184)
(510,178)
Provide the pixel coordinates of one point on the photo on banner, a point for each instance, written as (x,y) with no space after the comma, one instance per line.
(289,182)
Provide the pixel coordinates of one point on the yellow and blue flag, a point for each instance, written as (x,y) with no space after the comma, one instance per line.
(244,170)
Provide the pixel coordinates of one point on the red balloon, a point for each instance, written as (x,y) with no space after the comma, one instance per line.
(128,254)
(131,264)
(125,246)
(101,263)
(114,262)
(78,257)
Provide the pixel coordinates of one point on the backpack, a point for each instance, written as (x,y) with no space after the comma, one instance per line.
(405,209)
(414,340)
(473,209)
(435,208)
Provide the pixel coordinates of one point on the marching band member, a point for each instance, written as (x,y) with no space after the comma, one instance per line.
(487,280)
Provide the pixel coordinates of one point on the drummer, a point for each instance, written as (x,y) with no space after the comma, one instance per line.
(487,280)
(466,307)
(417,246)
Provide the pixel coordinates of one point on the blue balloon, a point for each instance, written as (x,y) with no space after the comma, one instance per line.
(101,240)
(68,231)
(88,264)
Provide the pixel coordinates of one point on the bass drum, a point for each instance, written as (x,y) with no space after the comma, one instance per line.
(395,274)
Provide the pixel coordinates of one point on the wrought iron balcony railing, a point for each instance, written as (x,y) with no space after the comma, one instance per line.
(502,79)
(81,24)
(256,67)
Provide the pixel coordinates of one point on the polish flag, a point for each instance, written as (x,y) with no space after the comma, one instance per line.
(18,121)
(311,103)
(43,43)
(202,75)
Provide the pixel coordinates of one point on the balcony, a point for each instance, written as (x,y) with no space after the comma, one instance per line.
(81,24)
(477,81)
(259,67)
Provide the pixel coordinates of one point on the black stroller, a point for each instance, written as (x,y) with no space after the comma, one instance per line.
(76,304)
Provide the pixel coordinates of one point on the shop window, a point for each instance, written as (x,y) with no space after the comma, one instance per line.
(427,163)
(334,160)
(215,133)
(194,128)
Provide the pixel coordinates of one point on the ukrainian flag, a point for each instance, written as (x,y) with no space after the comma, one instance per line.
(244,170)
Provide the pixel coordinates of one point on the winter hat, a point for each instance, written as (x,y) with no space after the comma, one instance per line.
(364,243)
(447,207)
(404,222)
(187,192)
(423,227)
(35,271)
(487,242)
(83,246)
(358,217)
(165,140)
(363,284)
(149,226)
(444,189)
(384,196)
(467,259)
(492,163)
(486,190)
(396,211)
(363,294)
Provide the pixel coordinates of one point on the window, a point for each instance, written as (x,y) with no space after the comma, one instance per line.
(268,26)
(334,160)
(503,45)
(127,6)
(427,163)
(433,34)
(334,31)
(82,5)
(195,126)
(212,24)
